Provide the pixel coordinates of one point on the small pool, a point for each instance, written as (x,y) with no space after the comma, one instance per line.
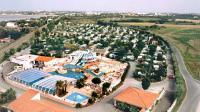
(70,66)
(93,74)
(70,74)
(77,97)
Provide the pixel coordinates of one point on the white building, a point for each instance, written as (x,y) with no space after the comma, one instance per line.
(11,25)
(26,61)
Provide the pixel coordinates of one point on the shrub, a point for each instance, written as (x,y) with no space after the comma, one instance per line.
(78,105)
(6,55)
(12,51)
(91,101)
(127,108)
(19,49)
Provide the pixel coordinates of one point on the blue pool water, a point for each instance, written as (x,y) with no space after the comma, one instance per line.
(70,74)
(70,66)
(93,74)
(77,97)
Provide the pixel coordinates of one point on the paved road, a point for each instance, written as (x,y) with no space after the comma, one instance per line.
(19,42)
(3,85)
(192,99)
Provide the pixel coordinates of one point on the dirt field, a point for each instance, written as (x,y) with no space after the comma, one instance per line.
(188,20)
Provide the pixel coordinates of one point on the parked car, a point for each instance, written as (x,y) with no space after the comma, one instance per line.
(171,77)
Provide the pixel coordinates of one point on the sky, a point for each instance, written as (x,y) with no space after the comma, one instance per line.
(178,6)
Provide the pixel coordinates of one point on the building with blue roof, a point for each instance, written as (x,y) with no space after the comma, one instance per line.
(28,77)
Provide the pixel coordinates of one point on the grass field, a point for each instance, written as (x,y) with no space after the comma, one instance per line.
(136,23)
(150,24)
(188,20)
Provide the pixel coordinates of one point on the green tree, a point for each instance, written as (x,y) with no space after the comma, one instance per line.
(105,87)
(59,88)
(94,95)
(145,83)
(135,52)
(140,45)
(80,83)
(37,33)
(152,49)
(8,96)
(96,80)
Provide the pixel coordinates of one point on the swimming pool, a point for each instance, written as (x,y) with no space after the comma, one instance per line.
(70,66)
(93,74)
(70,74)
(77,97)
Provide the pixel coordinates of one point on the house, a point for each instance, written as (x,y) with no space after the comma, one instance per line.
(26,61)
(156,67)
(137,98)
(41,61)
(11,25)
(130,57)
(30,101)
(112,55)
(6,40)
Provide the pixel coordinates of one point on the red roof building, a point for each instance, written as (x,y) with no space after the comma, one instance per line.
(137,97)
(44,59)
(30,102)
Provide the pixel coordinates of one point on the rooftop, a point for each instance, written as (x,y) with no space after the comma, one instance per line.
(137,97)
(29,103)
(44,59)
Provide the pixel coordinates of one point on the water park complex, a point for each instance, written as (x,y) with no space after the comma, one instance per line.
(72,80)
(89,66)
